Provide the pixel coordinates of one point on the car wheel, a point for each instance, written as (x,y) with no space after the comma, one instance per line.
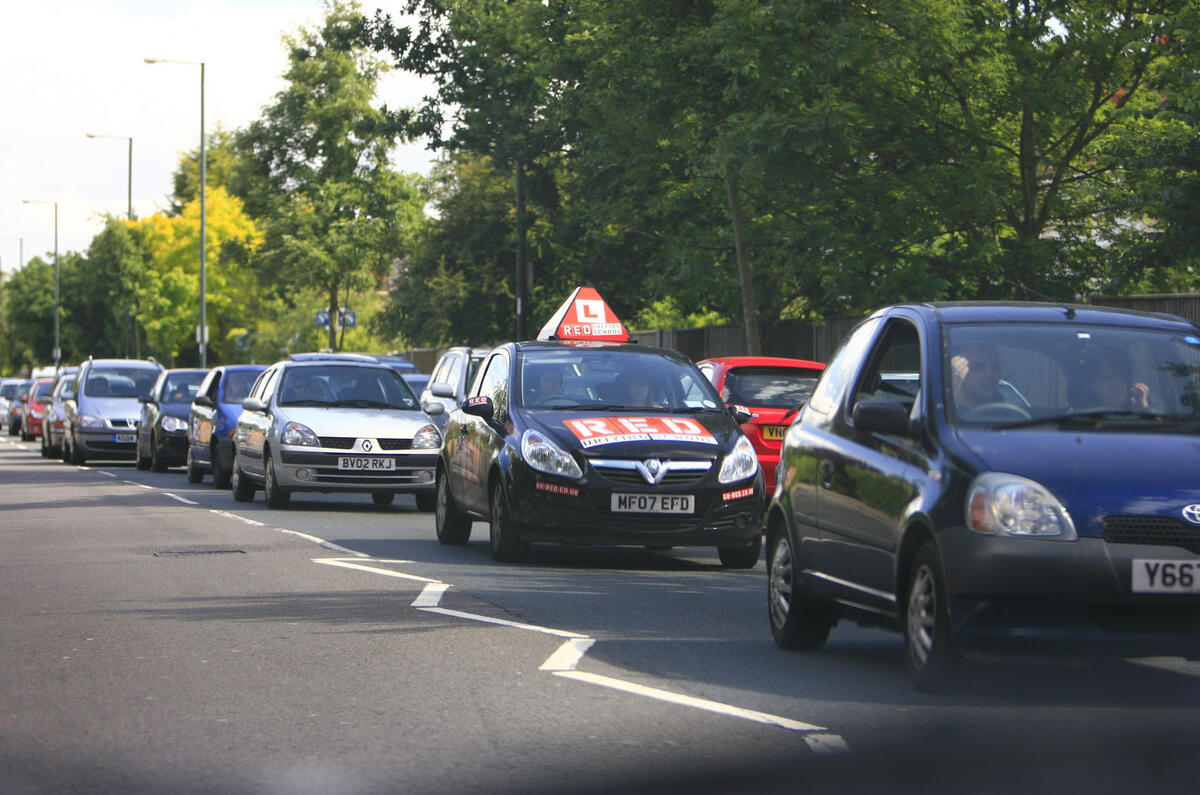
(194,473)
(741,557)
(426,501)
(453,528)
(77,456)
(506,541)
(64,452)
(928,650)
(382,498)
(140,461)
(156,460)
(45,446)
(796,623)
(276,496)
(243,489)
(219,474)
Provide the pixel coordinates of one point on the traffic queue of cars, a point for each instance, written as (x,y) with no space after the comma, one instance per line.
(985,479)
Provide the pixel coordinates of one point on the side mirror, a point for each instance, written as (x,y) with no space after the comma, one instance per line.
(66,394)
(254,404)
(441,390)
(145,399)
(24,398)
(882,416)
(203,400)
(740,413)
(433,409)
(480,406)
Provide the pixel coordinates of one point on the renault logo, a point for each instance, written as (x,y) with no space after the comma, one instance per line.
(1192,513)
(366,445)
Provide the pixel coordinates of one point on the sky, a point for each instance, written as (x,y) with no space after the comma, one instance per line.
(73,67)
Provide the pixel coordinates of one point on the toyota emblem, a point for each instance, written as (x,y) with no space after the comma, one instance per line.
(1192,513)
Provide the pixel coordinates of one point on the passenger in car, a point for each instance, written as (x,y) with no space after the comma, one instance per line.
(1110,382)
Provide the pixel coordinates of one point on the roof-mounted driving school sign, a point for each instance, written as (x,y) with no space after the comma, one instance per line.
(585,316)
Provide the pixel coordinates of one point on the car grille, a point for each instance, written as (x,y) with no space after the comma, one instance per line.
(347,442)
(1153,530)
(622,473)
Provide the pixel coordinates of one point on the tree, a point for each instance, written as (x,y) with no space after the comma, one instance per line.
(318,159)
(29,301)
(100,294)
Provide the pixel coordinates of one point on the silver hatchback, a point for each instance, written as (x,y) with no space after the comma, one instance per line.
(333,424)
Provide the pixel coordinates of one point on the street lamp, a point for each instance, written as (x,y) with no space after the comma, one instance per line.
(57,352)
(129,190)
(202,330)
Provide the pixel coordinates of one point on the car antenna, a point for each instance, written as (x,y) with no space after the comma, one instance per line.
(1070,310)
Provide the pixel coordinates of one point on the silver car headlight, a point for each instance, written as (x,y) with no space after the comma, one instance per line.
(427,438)
(1003,504)
(89,421)
(545,456)
(174,424)
(741,463)
(299,435)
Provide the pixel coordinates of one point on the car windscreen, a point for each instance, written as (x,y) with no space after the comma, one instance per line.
(10,390)
(122,382)
(769,386)
(180,387)
(345,386)
(615,379)
(1026,373)
(237,385)
(43,390)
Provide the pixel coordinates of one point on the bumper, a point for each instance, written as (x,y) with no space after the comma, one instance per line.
(173,446)
(312,471)
(103,444)
(569,514)
(1024,595)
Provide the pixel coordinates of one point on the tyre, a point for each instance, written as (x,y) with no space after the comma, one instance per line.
(453,528)
(928,650)
(797,624)
(275,495)
(741,557)
(506,541)
(194,473)
(220,474)
(382,498)
(77,456)
(243,489)
(64,452)
(156,460)
(140,461)
(426,501)
(45,446)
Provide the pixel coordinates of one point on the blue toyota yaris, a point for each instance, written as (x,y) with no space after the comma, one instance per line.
(996,478)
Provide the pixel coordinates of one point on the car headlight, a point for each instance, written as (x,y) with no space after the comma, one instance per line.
(300,435)
(37,413)
(741,463)
(88,421)
(174,424)
(1003,504)
(545,456)
(427,438)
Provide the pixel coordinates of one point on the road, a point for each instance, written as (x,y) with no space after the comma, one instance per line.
(159,637)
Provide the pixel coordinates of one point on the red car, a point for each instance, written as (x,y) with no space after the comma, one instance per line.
(773,389)
(34,404)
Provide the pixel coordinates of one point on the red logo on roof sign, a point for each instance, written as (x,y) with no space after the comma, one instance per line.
(585,316)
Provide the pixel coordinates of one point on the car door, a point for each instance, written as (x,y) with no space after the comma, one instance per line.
(253,426)
(868,479)
(202,416)
(482,439)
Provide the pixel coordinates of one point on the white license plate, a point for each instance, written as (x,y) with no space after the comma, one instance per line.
(366,463)
(1166,576)
(652,503)
(128,438)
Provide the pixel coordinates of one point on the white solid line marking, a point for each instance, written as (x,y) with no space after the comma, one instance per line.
(568,655)
(181,499)
(431,594)
(242,519)
(502,622)
(690,701)
(345,564)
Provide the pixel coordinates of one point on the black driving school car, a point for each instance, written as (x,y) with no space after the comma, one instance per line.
(582,438)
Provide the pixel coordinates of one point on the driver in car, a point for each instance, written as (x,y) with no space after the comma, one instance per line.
(976,370)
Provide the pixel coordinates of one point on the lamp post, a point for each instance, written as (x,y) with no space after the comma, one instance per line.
(202,330)
(57,351)
(129,182)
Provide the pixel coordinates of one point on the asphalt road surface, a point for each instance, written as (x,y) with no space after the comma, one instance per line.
(158,637)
